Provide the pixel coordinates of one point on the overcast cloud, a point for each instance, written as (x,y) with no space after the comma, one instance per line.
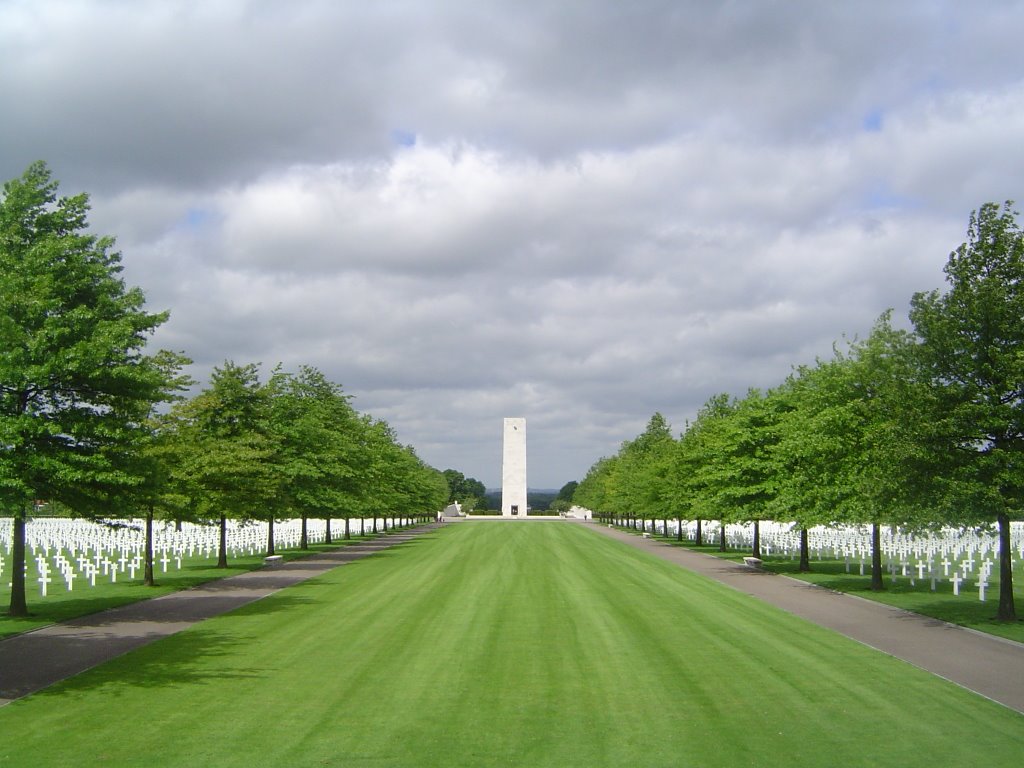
(576,212)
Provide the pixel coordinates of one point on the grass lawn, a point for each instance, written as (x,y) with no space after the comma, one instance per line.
(61,605)
(964,609)
(508,644)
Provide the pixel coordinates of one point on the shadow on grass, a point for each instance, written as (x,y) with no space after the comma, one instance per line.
(35,663)
(187,659)
(395,547)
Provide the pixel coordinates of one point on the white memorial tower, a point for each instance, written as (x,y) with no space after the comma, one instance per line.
(513,469)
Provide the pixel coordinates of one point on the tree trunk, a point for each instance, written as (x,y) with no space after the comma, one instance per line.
(876,558)
(756,549)
(270,538)
(304,537)
(18,606)
(721,532)
(700,534)
(679,529)
(1007,610)
(327,537)
(147,576)
(375,523)
(222,556)
(805,555)
(348,532)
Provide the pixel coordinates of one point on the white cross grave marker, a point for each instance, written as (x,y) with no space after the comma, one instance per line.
(44,577)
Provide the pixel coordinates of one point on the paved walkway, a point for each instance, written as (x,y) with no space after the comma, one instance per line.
(988,665)
(34,660)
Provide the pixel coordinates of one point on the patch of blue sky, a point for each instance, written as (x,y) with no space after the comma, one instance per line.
(197,218)
(880,196)
(403,138)
(873,121)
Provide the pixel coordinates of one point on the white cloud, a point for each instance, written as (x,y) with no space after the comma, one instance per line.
(579,216)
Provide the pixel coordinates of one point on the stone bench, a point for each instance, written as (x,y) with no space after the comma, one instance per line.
(753,562)
(273,560)
(646,535)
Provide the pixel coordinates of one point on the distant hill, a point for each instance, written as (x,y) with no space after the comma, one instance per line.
(497,491)
(538,499)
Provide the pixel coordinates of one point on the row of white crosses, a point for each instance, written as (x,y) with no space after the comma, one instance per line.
(79,549)
(953,555)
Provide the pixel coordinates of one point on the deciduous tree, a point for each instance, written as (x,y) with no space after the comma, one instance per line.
(75,382)
(973,352)
(227,454)
(316,430)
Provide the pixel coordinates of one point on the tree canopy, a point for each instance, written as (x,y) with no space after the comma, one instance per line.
(75,383)
(972,353)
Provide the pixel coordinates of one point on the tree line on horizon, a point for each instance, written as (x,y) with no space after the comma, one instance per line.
(474,497)
(93,424)
(919,428)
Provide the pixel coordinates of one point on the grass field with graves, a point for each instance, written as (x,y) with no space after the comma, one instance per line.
(539,644)
(75,567)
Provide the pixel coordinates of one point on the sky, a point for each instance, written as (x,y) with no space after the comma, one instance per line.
(577,212)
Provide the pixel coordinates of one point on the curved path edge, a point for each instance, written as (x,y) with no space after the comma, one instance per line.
(985,664)
(34,660)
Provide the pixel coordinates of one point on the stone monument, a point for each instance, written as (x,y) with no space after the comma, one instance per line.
(513,469)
